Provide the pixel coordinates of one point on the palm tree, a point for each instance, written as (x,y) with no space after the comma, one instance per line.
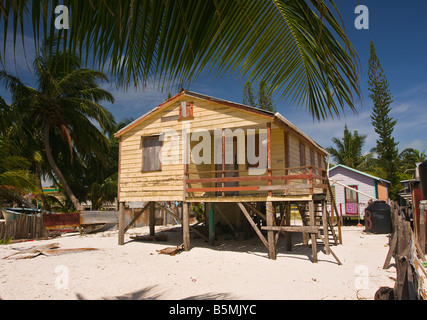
(64,105)
(298,47)
(102,185)
(409,157)
(348,149)
(15,178)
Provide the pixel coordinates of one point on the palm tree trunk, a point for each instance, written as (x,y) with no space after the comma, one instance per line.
(56,170)
(40,185)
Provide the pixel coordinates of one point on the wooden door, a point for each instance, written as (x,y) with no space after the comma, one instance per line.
(351,201)
(229,167)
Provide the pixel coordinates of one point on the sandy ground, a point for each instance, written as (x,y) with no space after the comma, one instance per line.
(230,270)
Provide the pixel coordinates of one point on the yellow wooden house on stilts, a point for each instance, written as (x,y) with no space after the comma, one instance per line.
(240,161)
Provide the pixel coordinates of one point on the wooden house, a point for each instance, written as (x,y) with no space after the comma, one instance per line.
(353,190)
(234,158)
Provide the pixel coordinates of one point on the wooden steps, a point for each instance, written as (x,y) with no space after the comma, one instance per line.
(332,236)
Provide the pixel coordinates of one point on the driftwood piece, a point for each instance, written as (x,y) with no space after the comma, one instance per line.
(157,237)
(99,228)
(46,249)
(31,252)
(56,252)
(171,250)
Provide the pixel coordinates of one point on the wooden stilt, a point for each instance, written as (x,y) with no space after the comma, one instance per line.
(334,209)
(252,223)
(330,250)
(186,226)
(270,215)
(192,228)
(325,227)
(313,236)
(391,250)
(288,235)
(136,216)
(211,221)
(301,210)
(152,219)
(121,223)
(282,218)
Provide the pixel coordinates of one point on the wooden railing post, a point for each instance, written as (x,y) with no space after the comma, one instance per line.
(152,218)
(186,157)
(271,215)
(310,173)
(186,226)
(313,236)
(269,182)
(121,223)
(211,221)
(223,161)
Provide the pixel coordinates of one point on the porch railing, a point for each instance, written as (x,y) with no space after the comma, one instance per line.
(299,180)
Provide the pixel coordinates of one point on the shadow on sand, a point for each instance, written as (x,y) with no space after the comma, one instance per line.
(251,245)
(151,293)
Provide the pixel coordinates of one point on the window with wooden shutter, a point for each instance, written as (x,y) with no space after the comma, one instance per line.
(151,153)
(185,110)
(302,161)
(319,161)
(312,161)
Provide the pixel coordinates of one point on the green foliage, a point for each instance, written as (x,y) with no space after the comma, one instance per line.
(199,211)
(7,241)
(298,47)
(248,95)
(383,124)
(348,149)
(409,158)
(15,177)
(263,99)
(62,116)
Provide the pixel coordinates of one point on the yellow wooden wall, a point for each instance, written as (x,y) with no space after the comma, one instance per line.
(135,185)
(167,184)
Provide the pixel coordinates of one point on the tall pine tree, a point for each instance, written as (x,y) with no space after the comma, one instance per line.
(383,123)
(248,95)
(263,100)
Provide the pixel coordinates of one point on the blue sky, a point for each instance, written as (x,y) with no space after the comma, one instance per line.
(398,29)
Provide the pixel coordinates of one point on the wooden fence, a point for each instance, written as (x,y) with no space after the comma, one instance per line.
(25,226)
(409,255)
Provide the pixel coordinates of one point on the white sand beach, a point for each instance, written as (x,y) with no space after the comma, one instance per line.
(232,269)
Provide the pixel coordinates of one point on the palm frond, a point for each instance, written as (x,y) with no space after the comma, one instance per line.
(298,47)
